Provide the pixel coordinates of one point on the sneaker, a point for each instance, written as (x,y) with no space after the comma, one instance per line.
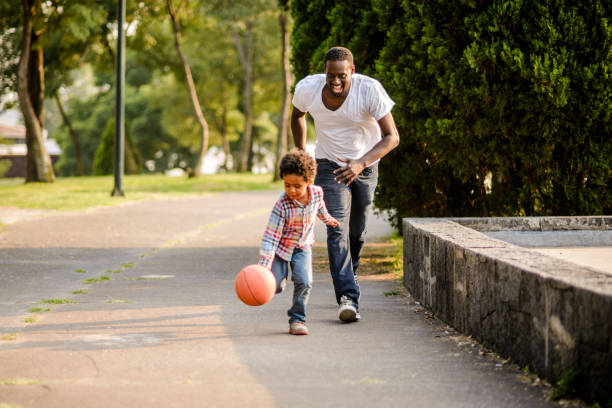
(347,312)
(298,328)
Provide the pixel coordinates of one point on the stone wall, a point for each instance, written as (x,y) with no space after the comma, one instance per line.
(541,312)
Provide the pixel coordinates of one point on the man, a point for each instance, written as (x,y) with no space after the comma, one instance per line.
(355,129)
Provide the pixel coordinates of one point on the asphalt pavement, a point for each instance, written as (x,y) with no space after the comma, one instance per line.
(134,306)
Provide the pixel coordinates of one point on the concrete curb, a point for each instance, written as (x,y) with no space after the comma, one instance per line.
(545,313)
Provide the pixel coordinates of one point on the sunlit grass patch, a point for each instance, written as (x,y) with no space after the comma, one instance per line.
(154,277)
(79,193)
(20,381)
(79,292)
(7,405)
(384,258)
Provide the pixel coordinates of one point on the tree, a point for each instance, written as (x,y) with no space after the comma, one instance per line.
(281,141)
(74,29)
(245,51)
(104,156)
(173,13)
(30,88)
(61,34)
(80,170)
(244,19)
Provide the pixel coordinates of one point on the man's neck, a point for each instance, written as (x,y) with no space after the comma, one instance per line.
(331,101)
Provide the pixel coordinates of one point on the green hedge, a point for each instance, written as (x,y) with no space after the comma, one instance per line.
(503,107)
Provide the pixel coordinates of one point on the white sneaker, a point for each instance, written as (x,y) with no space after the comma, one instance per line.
(298,328)
(347,312)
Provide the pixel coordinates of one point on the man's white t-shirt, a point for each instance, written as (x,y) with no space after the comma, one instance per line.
(352,130)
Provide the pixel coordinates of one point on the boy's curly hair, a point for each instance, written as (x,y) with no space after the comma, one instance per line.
(300,163)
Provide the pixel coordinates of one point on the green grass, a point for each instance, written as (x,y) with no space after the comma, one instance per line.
(80,271)
(80,193)
(9,337)
(39,310)
(80,292)
(96,280)
(56,301)
(566,385)
(31,319)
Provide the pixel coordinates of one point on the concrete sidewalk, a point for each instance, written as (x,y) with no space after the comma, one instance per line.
(158,323)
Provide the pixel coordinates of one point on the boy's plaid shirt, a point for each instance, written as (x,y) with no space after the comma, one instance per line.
(291,225)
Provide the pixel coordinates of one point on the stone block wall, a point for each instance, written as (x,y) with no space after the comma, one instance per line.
(541,312)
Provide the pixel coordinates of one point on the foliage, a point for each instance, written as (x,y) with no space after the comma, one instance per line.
(79,47)
(103,163)
(10,39)
(566,385)
(503,107)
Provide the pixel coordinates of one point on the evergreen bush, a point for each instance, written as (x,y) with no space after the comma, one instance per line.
(503,107)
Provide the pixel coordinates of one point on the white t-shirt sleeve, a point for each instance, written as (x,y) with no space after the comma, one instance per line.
(305,93)
(378,100)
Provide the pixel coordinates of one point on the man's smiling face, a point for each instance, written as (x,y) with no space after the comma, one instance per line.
(338,77)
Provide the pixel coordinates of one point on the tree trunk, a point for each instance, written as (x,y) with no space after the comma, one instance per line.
(281,142)
(246,58)
(36,78)
(39,166)
(224,138)
(191,87)
(73,135)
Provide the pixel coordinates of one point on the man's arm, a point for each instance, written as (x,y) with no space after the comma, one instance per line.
(298,128)
(389,141)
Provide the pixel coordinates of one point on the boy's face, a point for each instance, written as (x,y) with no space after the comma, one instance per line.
(296,187)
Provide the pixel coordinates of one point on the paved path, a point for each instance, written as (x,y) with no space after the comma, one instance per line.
(166,330)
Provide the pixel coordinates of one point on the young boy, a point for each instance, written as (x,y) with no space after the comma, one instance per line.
(289,235)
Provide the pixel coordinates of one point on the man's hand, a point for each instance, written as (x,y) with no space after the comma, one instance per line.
(350,172)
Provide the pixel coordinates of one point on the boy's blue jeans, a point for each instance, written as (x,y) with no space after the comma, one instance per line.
(350,206)
(301,275)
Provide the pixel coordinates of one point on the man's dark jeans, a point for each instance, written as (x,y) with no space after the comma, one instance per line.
(350,206)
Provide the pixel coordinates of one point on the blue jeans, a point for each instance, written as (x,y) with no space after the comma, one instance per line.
(350,206)
(301,275)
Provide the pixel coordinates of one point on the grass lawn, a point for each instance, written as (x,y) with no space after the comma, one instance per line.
(79,193)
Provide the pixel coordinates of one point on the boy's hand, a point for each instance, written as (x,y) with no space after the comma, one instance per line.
(333,223)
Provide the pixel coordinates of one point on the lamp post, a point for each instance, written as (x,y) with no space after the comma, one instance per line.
(119,102)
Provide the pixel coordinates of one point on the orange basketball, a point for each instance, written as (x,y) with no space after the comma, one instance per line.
(255,285)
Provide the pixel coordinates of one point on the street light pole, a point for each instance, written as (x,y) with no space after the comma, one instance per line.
(119,102)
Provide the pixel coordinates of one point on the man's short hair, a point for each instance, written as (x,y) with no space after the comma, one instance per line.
(338,54)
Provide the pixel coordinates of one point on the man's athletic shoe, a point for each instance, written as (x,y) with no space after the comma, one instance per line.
(347,312)
(298,328)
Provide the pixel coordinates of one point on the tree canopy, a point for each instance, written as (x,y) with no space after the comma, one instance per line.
(79,49)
